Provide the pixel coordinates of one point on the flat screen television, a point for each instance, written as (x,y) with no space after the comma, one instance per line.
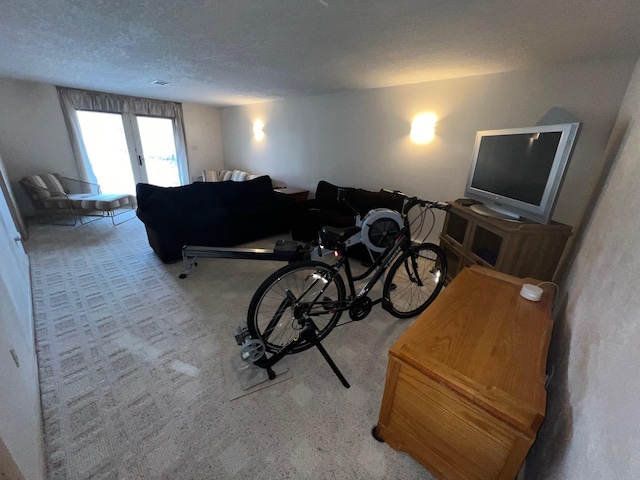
(517,173)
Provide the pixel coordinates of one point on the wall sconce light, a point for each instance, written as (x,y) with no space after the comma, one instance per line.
(423,128)
(258,130)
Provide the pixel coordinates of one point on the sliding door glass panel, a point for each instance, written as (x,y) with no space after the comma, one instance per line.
(159,148)
(106,145)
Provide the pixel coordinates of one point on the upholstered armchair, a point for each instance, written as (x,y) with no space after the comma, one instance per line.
(67,201)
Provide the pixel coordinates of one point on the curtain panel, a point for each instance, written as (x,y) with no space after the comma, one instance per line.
(72,100)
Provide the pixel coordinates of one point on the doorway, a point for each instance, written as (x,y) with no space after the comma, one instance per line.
(21,448)
(125,149)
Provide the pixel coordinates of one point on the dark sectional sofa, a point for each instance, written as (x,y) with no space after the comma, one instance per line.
(326,209)
(220,214)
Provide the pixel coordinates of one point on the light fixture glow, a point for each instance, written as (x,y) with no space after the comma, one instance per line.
(258,130)
(423,128)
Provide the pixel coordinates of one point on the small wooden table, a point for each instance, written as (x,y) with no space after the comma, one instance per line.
(300,194)
(465,389)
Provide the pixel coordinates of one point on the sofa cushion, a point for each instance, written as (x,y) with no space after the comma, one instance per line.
(44,186)
(185,198)
(364,201)
(225,175)
(239,176)
(211,217)
(210,176)
(236,194)
(327,196)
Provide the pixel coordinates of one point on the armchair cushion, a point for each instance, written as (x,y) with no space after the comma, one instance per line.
(103,202)
(44,186)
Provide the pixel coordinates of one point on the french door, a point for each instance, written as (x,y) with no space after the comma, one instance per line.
(124,149)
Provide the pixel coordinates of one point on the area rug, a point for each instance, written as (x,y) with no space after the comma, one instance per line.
(132,379)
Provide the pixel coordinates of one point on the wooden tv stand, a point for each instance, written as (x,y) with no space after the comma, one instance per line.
(520,249)
(465,389)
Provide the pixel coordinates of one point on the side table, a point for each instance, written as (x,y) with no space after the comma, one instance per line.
(300,194)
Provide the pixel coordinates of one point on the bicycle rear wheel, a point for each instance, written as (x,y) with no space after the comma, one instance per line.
(414,280)
(280,303)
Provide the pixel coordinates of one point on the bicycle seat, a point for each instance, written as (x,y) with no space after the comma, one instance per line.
(334,237)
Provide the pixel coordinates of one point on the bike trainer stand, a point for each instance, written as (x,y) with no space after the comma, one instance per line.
(308,333)
(284,250)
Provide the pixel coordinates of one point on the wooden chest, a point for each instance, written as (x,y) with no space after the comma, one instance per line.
(465,388)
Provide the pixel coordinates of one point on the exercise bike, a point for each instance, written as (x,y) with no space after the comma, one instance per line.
(297,306)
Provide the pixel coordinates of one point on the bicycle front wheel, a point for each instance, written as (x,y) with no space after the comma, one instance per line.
(414,280)
(297,290)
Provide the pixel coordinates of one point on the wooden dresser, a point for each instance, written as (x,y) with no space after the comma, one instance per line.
(465,388)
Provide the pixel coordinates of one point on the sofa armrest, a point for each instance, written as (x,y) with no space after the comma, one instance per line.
(161,214)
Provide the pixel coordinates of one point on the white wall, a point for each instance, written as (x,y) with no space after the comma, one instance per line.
(33,135)
(592,428)
(202,132)
(361,138)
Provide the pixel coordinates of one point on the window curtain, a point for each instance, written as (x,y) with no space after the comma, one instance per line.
(72,100)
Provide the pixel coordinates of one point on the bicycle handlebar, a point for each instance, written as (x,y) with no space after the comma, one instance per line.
(413,201)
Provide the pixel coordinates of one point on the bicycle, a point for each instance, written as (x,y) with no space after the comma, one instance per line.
(300,304)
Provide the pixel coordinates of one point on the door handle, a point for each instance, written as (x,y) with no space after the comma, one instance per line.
(140,159)
(18,238)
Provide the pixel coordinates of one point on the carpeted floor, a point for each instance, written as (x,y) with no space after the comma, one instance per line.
(133,386)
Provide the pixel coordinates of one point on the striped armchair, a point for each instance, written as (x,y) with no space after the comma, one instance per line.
(70,200)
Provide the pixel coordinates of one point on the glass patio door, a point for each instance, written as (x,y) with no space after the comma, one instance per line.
(159,159)
(125,149)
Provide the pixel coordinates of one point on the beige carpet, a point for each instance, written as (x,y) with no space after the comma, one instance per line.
(132,378)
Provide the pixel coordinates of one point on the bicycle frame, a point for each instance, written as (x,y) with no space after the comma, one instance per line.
(379,265)
(378,268)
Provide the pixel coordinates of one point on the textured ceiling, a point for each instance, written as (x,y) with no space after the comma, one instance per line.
(230,52)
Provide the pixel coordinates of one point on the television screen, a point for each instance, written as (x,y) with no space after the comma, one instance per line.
(516,166)
(518,171)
